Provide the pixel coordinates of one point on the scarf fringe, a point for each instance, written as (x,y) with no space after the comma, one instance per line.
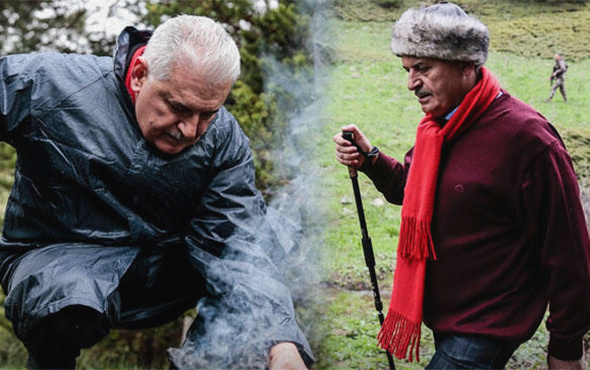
(415,241)
(400,336)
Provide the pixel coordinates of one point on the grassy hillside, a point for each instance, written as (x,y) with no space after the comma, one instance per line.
(528,28)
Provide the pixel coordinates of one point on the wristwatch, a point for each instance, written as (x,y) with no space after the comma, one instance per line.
(368,163)
(372,154)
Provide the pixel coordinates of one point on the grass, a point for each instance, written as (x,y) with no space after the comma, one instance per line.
(368,88)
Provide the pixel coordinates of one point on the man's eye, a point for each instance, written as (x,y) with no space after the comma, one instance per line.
(207,115)
(177,108)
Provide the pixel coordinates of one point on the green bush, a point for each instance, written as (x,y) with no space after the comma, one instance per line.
(386,4)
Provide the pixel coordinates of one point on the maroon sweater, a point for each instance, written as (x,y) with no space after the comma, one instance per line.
(508,230)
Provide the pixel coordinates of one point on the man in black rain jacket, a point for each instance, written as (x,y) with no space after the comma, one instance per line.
(134,200)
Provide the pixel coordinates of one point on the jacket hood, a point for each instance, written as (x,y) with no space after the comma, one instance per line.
(128,41)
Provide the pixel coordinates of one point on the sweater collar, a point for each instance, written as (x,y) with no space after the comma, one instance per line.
(448,116)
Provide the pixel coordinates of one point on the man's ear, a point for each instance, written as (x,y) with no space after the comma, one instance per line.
(139,73)
(467,67)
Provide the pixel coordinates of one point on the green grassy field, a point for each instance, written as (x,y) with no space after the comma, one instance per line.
(368,88)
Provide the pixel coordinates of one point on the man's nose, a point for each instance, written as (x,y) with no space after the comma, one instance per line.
(188,126)
(413,81)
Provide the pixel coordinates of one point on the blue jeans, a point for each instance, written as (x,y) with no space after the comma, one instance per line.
(460,351)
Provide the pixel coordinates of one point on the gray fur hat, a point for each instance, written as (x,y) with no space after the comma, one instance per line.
(442,31)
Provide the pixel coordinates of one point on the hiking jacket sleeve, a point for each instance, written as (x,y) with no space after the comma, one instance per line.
(18,86)
(389,176)
(554,219)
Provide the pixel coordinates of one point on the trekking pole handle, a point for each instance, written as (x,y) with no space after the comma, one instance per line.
(347,135)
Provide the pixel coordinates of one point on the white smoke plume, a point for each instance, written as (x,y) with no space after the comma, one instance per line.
(236,331)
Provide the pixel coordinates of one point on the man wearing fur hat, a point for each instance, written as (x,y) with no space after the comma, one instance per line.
(493,229)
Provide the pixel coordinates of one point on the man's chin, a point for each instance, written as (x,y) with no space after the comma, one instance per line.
(434,112)
(169,150)
(426,108)
(171,146)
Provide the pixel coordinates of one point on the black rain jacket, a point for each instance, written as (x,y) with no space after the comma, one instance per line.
(86,176)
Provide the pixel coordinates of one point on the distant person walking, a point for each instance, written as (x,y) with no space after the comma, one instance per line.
(558,75)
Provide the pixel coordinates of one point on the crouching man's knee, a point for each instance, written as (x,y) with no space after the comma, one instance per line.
(55,342)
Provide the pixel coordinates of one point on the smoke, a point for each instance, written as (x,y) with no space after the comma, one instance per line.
(266,284)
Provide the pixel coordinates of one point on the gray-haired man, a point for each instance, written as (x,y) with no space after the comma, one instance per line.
(492,226)
(134,200)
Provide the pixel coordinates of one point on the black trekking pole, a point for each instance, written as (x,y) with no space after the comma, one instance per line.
(366,242)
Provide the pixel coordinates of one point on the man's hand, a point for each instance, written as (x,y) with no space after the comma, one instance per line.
(346,152)
(555,364)
(285,356)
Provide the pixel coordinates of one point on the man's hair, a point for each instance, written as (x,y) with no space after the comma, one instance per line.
(442,31)
(193,41)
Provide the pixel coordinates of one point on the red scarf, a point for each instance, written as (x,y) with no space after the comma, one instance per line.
(401,328)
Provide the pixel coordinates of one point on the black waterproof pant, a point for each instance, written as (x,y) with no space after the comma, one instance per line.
(159,285)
